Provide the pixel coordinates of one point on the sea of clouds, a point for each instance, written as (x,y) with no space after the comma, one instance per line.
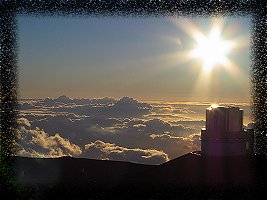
(110,129)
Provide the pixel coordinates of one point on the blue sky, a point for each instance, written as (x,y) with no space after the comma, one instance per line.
(96,57)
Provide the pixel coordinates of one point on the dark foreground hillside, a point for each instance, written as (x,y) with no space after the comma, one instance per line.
(191,176)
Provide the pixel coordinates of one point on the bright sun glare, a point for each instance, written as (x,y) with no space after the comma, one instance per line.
(211,49)
(208,50)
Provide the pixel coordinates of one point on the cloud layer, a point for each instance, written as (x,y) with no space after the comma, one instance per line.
(108,128)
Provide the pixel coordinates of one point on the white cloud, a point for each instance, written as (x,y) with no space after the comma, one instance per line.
(109,151)
(24,122)
(39,143)
(156,126)
(176,146)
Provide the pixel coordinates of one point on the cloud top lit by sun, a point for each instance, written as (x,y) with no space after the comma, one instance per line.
(211,49)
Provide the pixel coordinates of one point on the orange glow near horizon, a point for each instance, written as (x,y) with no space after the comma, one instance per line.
(214,106)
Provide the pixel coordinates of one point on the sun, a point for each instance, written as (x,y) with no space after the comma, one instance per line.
(211,49)
(208,49)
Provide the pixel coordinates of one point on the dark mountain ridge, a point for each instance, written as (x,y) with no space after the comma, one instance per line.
(190,176)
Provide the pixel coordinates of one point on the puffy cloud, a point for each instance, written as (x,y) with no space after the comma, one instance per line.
(193,124)
(182,111)
(38,143)
(56,123)
(106,107)
(162,109)
(174,145)
(108,151)
(156,126)
(63,99)
(78,129)
(174,112)
(67,100)
(166,136)
(49,102)
(168,116)
(104,101)
(125,107)
(26,106)
(24,122)
(171,109)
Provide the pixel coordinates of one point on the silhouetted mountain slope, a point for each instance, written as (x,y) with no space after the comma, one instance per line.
(188,176)
(189,169)
(197,170)
(75,170)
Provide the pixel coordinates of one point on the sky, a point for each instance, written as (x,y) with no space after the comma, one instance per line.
(144,58)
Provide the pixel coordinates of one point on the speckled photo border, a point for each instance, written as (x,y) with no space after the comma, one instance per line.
(9,9)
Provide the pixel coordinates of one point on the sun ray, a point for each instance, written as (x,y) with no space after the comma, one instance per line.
(213,49)
(234,71)
(188,27)
(209,51)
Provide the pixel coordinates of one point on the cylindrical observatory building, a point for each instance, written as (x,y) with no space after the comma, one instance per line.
(224,134)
